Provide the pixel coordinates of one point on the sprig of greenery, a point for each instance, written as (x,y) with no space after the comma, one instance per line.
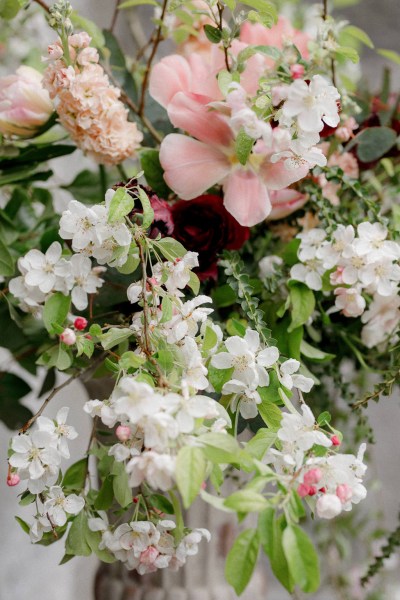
(392,543)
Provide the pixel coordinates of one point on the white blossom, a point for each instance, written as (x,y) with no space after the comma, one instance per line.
(59,430)
(57,506)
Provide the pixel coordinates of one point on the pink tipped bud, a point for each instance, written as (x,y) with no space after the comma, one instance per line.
(68,337)
(312,490)
(297,71)
(88,336)
(303,490)
(80,323)
(335,440)
(313,476)
(13,479)
(322,490)
(344,493)
(123,433)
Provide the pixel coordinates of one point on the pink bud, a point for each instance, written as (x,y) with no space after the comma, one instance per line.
(123,433)
(312,490)
(322,490)
(313,476)
(335,440)
(13,479)
(344,493)
(149,555)
(297,71)
(80,323)
(68,337)
(303,490)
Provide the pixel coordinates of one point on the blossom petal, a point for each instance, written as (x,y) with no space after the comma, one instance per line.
(170,76)
(246,197)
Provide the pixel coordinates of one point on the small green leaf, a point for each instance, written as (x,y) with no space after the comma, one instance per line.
(27,498)
(24,526)
(153,171)
(314,353)
(75,475)
(6,261)
(348,53)
(121,487)
(390,55)
(190,473)
(148,212)
(242,559)
(245,501)
(194,283)
(324,418)
(130,360)
(302,302)
(270,530)
(76,544)
(270,413)
(302,558)
(359,35)
(105,496)
(374,142)
(243,146)
(210,339)
(170,248)
(260,443)
(115,336)
(161,503)
(214,35)
(55,310)
(121,205)
(220,448)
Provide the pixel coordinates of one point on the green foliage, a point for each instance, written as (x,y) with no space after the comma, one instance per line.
(190,473)
(302,558)
(55,311)
(245,501)
(76,543)
(242,559)
(115,336)
(153,171)
(271,531)
(243,146)
(6,261)
(121,205)
(373,143)
(302,302)
(214,35)
(75,475)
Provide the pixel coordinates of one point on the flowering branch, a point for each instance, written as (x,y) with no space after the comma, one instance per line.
(43,5)
(157,40)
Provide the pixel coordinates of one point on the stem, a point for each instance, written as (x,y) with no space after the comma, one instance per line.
(157,40)
(115,16)
(220,27)
(180,525)
(145,304)
(325,10)
(103,179)
(325,16)
(43,5)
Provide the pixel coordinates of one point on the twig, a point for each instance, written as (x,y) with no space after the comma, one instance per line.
(325,10)
(114,17)
(325,17)
(43,4)
(157,40)
(147,348)
(220,27)
(153,132)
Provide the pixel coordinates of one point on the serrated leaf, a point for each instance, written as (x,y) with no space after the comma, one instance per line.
(242,559)
(190,473)
(261,442)
(302,558)
(121,205)
(114,336)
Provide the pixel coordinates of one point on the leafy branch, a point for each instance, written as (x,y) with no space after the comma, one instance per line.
(387,550)
(384,388)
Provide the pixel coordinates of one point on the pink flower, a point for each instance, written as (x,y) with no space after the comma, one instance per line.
(279,35)
(149,556)
(284,202)
(24,105)
(68,336)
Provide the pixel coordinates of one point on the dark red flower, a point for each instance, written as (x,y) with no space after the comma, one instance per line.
(203,225)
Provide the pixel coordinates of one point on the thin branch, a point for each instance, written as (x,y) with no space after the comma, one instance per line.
(43,4)
(325,10)
(153,132)
(115,16)
(157,40)
(220,27)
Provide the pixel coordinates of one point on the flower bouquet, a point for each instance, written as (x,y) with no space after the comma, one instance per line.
(231,264)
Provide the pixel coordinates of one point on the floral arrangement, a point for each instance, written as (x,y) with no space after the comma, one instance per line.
(236,249)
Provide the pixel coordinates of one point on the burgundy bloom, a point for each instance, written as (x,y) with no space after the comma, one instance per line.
(203,225)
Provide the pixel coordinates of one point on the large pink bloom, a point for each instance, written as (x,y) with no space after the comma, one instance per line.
(258,35)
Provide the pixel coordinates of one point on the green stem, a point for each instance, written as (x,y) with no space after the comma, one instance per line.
(180,525)
(103,179)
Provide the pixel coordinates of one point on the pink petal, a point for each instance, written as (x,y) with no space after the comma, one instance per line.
(170,76)
(246,197)
(190,113)
(284,202)
(191,167)
(204,75)
(277,176)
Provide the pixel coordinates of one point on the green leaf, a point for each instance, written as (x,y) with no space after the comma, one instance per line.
(359,35)
(114,336)
(76,543)
(374,142)
(27,498)
(210,339)
(314,353)
(153,171)
(55,310)
(302,302)
(223,296)
(170,248)
(270,413)
(24,526)
(220,448)
(243,146)
(6,261)
(105,496)
(93,539)
(190,473)
(161,503)
(260,443)
(214,35)
(245,501)
(86,187)
(270,530)
(302,558)
(194,283)
(242,559)
(92,29)
(148,212)
(75,475)
(390,55)
(166,309)
(121,205)
(130,3)
(131,264)
(130,360)
(217,377)
(347,53)
(324,418)
(10,8)
(121,487)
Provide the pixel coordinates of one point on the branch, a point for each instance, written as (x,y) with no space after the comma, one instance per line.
(115,16)
(156,43)
(43,4)
(220,27)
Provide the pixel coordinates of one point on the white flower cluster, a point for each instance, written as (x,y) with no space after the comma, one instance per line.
(250,361)
(360,263)
(334,480)
(154,426)
(91,233)
(45,273)
(146,547)
(36,455)
(56,509)
(306,109)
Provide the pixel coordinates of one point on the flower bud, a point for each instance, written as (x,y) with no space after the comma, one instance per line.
(344,493)
(13,479)
(313,476)
(312,490)
(303,490)
(335,440)
(68,337)
(80,323)
(123,433)
(328,506)
(297,71)
(25,106)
